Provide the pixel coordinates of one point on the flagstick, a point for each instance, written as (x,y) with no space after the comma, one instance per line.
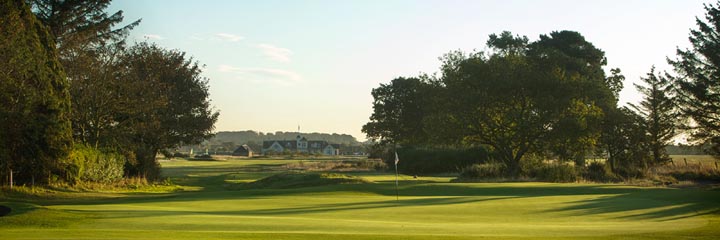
(397,194)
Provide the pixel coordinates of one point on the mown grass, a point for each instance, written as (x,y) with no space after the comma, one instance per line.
(428,208)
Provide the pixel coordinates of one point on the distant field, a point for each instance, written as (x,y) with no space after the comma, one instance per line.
(704,159)
(428,208)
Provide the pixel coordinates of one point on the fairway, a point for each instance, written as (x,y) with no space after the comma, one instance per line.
(214,205)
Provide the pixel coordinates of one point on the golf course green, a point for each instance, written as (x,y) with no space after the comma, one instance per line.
(215,201)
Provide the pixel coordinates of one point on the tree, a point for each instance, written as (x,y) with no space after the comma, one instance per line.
(89,52)
(34,117)
(548,95)
(79,25)
(167,105)
(658,114)
(698,80)
(625,142)
(398,111)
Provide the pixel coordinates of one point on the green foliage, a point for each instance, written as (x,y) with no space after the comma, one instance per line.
(698,80)
(77,26)
(555,173)
(625,142)
(398,111)
(435,160)
(549,95)
(598,172)
(34,114)
(170,105)
(87,164)
(658,114)
(485,171)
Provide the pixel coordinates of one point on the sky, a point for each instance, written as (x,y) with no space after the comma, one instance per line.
(276,65)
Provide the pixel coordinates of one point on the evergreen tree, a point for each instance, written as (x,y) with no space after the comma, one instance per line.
(698,80)
(78,25)
(90,48)
(34,117)
(658,113)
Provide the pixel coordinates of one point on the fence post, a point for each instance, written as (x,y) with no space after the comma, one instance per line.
(685,159)
(716,165)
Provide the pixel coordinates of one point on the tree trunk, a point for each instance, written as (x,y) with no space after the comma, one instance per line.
(11,179)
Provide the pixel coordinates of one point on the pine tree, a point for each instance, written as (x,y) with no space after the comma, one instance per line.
(658,113)
(34,117)
(698,83)
(80,24)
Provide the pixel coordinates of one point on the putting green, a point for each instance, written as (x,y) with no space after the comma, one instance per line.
(428,208)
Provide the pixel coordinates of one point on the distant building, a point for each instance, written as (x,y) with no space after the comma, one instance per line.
(301,145)
(244,151)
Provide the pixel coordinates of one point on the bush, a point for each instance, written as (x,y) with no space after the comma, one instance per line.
(556,173)
(599,172)
(482,171)
(429,160)
(692,172)
(87,164)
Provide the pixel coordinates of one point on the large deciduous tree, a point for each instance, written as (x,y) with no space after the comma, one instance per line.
(523,100)
(548,95)
(399,109)
(698,80)
(34,115)
(167,105)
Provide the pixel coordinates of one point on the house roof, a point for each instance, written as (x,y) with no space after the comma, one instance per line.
(242,149)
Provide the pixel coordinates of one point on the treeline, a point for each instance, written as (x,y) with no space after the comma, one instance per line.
(80,104)
(550,99)
(242,137)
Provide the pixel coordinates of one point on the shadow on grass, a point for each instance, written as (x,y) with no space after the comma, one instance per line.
(660,204)
(316,208)
(670,204)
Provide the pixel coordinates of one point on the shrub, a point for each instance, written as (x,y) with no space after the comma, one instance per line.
(692,172)
(92,165)
(482,171)
(431,160)
(556,173)
(599,172)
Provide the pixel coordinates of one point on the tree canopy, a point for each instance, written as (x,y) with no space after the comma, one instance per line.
(515,99)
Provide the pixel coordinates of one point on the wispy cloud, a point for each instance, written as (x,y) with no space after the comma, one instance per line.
(153,37)
(229,37)
(275,53)
(277,76)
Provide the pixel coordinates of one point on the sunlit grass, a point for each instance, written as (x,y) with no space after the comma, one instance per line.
(428,208)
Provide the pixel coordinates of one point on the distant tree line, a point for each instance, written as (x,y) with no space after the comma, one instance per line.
(241,137)
(83,101)
(551,98)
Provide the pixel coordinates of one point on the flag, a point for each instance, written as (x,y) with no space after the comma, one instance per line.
(397,159)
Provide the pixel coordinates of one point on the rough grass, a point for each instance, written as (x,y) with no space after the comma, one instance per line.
(428,208)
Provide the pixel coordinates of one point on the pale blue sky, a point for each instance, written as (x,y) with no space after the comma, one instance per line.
(274,65)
